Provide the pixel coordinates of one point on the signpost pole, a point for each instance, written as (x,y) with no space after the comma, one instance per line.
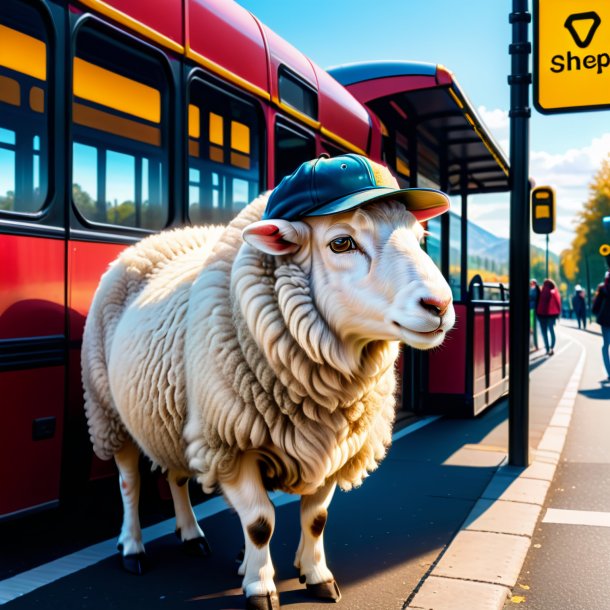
(519,81)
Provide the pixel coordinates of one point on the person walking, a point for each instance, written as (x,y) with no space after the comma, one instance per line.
(548,310)
(601,309)
(534,297)
(579,306)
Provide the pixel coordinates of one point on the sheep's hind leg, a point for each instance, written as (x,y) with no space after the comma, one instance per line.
(130,540)
(193,539)
(246,493)
(310,559)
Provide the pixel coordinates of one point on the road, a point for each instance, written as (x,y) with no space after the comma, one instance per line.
(568,565)
(381,539)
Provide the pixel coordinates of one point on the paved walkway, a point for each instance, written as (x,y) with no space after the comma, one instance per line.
(444,524)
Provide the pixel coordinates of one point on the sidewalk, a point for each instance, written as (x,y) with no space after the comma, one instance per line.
(444,524)
(481,565)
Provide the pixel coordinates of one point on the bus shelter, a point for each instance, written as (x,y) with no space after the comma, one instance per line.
(433,137)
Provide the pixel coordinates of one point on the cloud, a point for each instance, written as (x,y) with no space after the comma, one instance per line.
(569,172)
(497,122)
(496,119)
(573,169)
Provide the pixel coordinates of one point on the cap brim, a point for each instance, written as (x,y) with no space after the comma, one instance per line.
(421,202)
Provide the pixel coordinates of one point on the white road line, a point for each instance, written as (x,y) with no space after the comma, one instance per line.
(26,582)
(566,346)
(576,517)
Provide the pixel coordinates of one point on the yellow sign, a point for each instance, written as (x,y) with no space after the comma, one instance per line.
(571,55)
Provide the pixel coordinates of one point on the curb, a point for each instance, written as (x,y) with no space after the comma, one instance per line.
(481,565)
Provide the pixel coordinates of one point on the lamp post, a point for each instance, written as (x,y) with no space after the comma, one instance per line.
(519,81)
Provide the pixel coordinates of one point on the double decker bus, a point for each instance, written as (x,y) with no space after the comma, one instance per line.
(120,118)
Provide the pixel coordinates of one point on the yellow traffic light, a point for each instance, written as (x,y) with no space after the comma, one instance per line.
(543,209)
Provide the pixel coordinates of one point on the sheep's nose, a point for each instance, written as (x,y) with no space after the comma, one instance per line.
(435,306)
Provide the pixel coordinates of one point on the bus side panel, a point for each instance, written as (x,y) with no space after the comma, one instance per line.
(497,347)
(479,340)
(30,437)
(343,115)
(87,261)
(446,370)
(32,351)
(212,23)
(32,280)
(164,17)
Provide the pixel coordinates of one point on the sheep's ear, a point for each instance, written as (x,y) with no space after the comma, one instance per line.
(273,236)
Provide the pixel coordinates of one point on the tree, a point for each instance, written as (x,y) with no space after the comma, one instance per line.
(584,259)
(84,202)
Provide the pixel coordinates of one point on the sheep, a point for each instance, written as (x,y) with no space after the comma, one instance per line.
(261,355)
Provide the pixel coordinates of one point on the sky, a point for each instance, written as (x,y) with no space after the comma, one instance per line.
(470,38)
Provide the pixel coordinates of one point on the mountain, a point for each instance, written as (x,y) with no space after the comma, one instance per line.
(487,251)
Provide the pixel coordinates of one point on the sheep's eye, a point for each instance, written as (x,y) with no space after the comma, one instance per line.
(342,244)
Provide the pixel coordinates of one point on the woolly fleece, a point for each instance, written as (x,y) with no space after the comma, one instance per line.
(202,348)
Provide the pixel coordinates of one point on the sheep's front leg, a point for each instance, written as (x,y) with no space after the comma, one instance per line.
(187,529)
(310,559)
(248,497)
(130,540)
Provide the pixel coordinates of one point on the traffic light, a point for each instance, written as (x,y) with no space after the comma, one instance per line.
(543,210)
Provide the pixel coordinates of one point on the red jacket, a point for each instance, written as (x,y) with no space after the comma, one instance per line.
(550,301)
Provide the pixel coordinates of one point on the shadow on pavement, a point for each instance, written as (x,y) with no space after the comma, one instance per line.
(601,393)
(382,536)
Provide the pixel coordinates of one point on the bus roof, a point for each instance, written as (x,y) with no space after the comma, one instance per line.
(409,96)
(218,35)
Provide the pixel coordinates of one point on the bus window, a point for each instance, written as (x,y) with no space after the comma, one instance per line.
(291,149)
(119,148)
(455,250)
(433,240)
(331,149)
(24,95)
(224,153)
(297,94)
(402,160)
(427,161)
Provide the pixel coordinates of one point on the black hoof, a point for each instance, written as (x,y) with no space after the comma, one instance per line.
(136,563)
(197,547)
(302,579)
(325,590)
(271,601)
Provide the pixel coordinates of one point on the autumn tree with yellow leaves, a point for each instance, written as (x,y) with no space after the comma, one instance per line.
(582,263)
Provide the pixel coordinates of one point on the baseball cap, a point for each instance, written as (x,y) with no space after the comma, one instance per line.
(325,186)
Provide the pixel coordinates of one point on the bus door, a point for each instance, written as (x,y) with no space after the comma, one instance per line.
(32,269)
(120,185)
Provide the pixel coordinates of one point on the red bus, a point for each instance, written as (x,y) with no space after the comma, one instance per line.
(119,118)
